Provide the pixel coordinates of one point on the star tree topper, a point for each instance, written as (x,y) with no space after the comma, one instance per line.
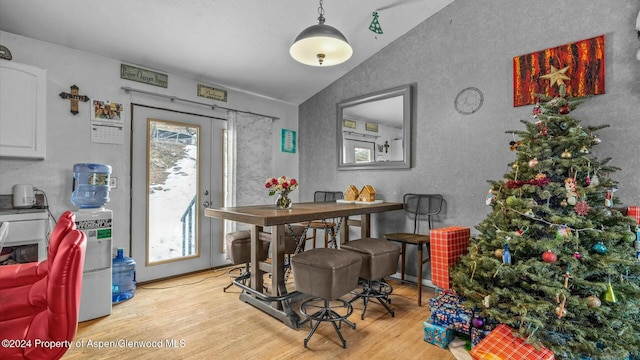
(556,76)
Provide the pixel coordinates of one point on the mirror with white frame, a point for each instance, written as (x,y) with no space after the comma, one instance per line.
(374,131)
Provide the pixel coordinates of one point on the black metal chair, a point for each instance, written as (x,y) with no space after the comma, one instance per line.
(418,206)
(329,226)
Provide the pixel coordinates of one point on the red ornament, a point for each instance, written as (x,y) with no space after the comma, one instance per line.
(549,256)
(564,109)
(582,208)
(577,255)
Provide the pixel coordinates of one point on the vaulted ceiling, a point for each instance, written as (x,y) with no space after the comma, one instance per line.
(234,44)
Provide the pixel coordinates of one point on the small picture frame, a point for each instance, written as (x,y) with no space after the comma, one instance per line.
(102,110)
(349,124)
(371,127)
(288,141)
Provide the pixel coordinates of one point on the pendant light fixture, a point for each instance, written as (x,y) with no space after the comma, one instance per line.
(321,45)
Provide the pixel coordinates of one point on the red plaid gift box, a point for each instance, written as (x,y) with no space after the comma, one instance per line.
(502,344)
(447,246)
(634,212)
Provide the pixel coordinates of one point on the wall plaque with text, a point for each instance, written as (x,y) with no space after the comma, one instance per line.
(212,93)
(133,73)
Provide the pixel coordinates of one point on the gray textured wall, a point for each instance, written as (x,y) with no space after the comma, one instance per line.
(472,43)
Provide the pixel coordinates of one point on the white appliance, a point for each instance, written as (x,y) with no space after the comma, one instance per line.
(95,300)
(23,196)
(27,228)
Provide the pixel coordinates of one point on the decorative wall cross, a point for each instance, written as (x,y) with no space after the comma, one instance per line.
(74,97)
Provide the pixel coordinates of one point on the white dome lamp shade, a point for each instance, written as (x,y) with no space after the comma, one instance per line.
(321,45)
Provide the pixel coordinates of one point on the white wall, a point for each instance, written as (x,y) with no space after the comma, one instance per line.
(68,135)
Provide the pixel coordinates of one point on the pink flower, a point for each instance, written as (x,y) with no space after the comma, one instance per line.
(282,185)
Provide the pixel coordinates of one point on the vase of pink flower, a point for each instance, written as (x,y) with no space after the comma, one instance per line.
(281,186)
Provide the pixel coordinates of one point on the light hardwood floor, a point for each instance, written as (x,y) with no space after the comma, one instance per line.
(207,323)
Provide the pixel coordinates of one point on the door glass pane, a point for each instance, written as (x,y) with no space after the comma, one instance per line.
(362,155)
(172,191)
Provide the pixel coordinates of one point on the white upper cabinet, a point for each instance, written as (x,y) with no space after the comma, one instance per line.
(23,102)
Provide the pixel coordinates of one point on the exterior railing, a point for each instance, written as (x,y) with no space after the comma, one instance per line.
(188,220)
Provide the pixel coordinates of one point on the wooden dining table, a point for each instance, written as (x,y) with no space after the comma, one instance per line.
(277,302)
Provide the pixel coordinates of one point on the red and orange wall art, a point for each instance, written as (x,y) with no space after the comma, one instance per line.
(581,62)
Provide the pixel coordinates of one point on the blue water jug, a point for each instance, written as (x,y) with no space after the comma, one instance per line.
(90,185)
(124,278)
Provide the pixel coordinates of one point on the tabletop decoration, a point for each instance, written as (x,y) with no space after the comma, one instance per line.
(281,186)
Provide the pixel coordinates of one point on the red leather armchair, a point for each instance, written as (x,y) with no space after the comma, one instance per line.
(44,326)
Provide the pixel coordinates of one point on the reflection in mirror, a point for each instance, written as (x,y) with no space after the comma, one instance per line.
(374,130)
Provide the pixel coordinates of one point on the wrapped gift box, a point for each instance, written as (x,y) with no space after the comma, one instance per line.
(501,343)
(437,334)
(447,310)
(446,299)
(459,319)
(634,212)
(478,335)
(447,246)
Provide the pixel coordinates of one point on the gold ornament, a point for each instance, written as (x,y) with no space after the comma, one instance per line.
(566,154)
(556,76)
(593,302)
(498,253)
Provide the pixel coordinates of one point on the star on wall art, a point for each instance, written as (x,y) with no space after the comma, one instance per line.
(539,72)
(556,76)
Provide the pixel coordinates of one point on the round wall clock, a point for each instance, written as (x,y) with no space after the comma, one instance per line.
(5,53)
(468,101)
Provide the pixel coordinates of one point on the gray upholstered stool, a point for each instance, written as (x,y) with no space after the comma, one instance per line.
(239,251)
(379,259)
(326,275)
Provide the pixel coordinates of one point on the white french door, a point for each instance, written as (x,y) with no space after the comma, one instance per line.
(177,171)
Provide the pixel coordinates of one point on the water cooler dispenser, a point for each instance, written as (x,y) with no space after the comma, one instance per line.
(90,192)
(95,300)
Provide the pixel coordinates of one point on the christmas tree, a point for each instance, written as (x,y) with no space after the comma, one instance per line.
(554,258)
